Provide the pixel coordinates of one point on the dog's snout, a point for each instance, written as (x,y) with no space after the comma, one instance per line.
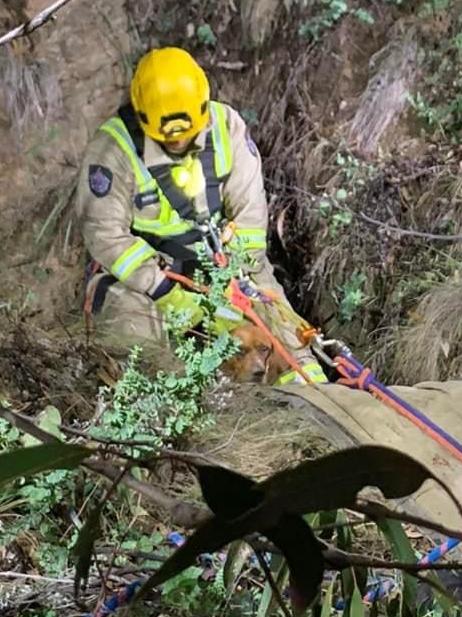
(258,375)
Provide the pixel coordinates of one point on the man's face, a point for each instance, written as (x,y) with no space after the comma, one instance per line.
(177,146)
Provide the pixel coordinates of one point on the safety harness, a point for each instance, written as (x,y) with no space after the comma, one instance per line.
(176,226)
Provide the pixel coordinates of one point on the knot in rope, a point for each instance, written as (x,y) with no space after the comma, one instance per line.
(354,374)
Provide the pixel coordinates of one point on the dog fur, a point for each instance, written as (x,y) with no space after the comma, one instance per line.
(257,361)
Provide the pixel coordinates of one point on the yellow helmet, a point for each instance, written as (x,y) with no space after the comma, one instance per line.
(170,94)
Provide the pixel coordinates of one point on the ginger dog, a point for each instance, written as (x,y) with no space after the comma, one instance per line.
(256,361)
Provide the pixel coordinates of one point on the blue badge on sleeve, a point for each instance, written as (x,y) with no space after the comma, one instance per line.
(100,180)
(250,143)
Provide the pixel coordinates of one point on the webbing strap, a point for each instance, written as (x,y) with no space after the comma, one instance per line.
(212,181)
(127,113)
(162,174)
(355,375)
(176,246)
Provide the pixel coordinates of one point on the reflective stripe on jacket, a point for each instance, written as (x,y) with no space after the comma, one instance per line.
(175,218)
(143,213)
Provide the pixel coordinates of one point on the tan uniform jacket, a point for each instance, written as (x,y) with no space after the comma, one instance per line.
(106,220)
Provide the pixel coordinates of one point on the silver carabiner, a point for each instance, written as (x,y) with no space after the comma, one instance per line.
(210,238)
(319,345)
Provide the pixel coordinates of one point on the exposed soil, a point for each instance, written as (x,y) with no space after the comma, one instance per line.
(308,104)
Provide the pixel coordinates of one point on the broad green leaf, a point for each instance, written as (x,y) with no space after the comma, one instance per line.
(356,604)
(348,586)
(282,576)
(48,420)
(334,480)
(403,551)
(268,603)
(327,602)
(29,461)
(83,549)
(274,507)
(265,601)
(344,533)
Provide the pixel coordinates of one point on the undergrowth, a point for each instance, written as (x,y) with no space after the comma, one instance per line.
(159,411)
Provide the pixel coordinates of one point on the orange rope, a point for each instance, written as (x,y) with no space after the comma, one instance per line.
(363,382)
(243,303)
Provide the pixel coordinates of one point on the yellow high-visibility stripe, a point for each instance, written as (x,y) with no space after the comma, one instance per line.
(161,229)
(116,128)
(312,369)
(167,221)
(223,151)
(131,259)
(250,238)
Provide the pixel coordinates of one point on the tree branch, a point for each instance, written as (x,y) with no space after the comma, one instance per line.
(183,513)
(375,510)
(34,23)
(426,235)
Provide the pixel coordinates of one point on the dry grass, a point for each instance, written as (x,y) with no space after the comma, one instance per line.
(387,90)
(30,91)
(255,436)
(431,347)
(300,134)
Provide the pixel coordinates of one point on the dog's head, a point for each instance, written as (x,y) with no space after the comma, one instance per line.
(256,361)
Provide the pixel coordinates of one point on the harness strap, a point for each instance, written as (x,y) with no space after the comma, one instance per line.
(175,246)
(212,180)
(355,375)
(128,116)
(162,174)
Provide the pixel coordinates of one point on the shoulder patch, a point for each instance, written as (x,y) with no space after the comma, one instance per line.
(100,180)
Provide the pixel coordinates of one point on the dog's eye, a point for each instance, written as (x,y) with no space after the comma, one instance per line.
(263,348)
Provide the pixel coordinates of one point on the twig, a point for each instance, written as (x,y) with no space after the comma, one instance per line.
(105,579)
(375,510)
(232,66)
(231,437)
(272,583)
(189,458)
(133,554)
(339,560)
(36,577)
(418,174)
(184,514)
(333,526)
(116,442)
(403,231)
(409,232)
(34,23)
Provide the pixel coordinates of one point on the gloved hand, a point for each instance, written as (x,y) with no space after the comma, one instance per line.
(227,318)
(179,300)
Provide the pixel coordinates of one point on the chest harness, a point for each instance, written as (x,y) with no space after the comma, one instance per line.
(176,226)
